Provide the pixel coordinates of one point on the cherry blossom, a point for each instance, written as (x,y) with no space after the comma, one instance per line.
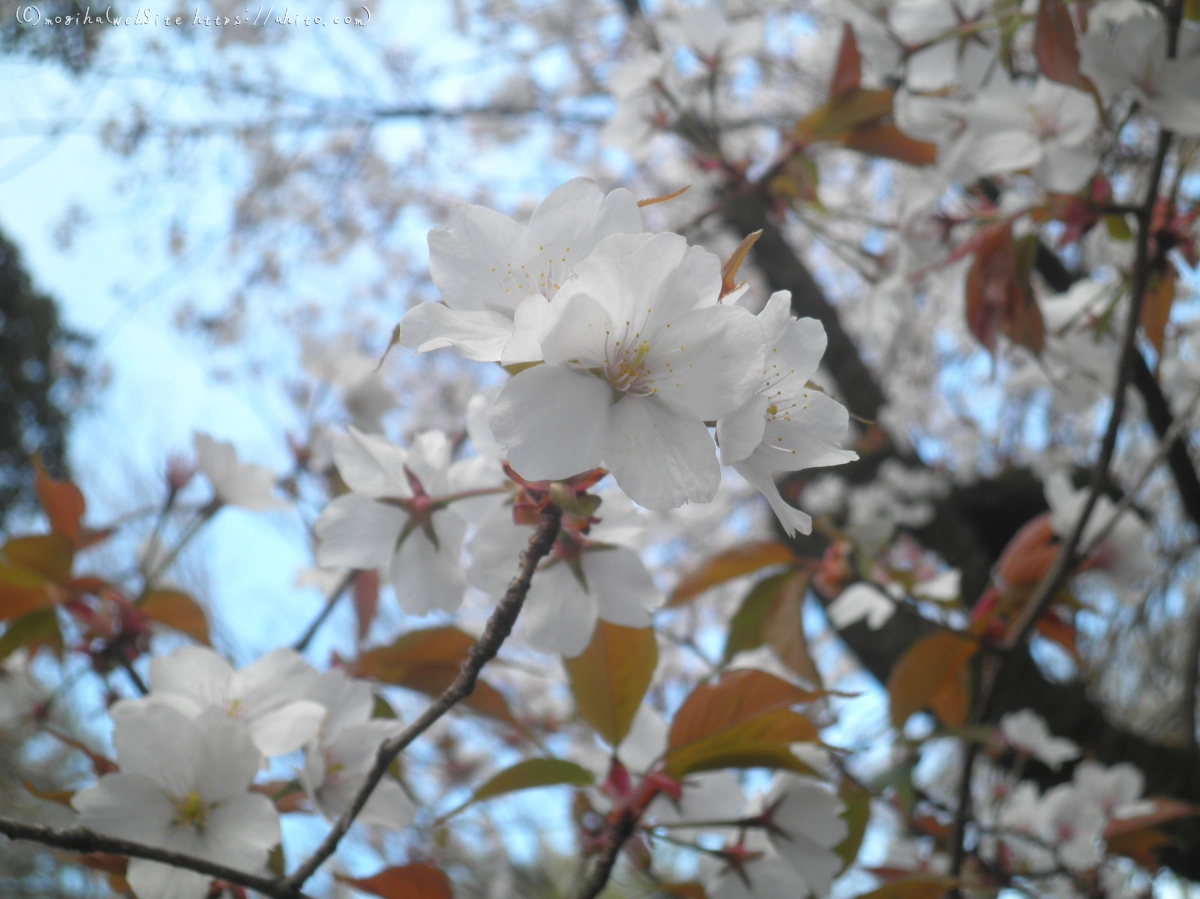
(786,425)
(356,377)
(1028,733)
(268,694)
(861,601)
(710,35)
(398,515)
(1133,56)
(591,573)
(234,482)
(337,762)
(496,275)
(639,355)
(182,786)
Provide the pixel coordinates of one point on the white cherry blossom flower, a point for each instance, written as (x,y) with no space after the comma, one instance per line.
(496,275)
(268,695)
(234,482)
(182,786)
(639,355)
(1122,557)
(1027,732)
(597,574)
(1045,128)
(1133,57)
(398,515)
(808,824)
(786,425)
(337,762)
(858,601)
(944,59)
(341,365)
(1073,823)
(640,87)
(706,32)
(1116,790)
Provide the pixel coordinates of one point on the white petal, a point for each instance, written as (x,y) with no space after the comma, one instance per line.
(585,333)
(740,433)
(357,532)
(429,461)
(559,615)
(494,552)
(288,727)
(126,806)
(229,759)
(550,419)
(708,362)
(469,261)
(268,682)
(791,518)
(807,435)
(152,880)
(371,465)
(529,320)
(193,671)
(160,743)
(477,334)
(661,459)
(389,806)
(426,577)
(623,587)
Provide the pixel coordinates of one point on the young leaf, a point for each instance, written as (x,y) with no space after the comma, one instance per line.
(530,774)
(366,599)
(39,628)
(925,671)
(177,610)
(857,800)
(417,880)
(999,300)
(783,629)
(743,720)
(428,661)
(610,677)
(885,140)
(746,626)
(847,74)
(744,559)
(61,501)
(1055,47)
(1156,307)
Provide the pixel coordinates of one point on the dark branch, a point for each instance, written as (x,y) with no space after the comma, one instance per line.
(79,839)
(616,834)
(498,628)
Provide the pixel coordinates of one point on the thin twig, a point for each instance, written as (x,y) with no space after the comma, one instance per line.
(302,644)
(616,835)
(498,628)
(1191,678)
(80,839)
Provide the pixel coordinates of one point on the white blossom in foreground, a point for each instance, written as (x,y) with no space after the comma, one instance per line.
(639,355)
(234,482)
(786,425)
(859,601)
(398,516)
(268,695)
(337,762)
(496,275)
(1133,57)
(182,787)
(589,574)
(1121,558)
(1027,732)
(796,857)
(1045,128)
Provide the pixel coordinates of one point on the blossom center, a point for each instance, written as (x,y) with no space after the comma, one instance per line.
(625,367)
(191,811)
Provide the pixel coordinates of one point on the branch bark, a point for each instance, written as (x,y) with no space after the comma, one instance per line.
(79,839)
(498,628)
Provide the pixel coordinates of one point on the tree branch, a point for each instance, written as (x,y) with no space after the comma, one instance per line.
(498,628)
(620,831)
(79,839)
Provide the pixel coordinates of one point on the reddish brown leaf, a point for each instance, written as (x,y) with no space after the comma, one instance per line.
(847,74)
(33,630)
(1165,810)
(999,300)
(931,673)
(853,109)
(745,559)
(48,556)
(413,881)
(743,720)
(783,630)
(366,599)
(428,661)
(889,142)
(62,502)
(610,677)
(1056,630)
(176,610)
(62,797)
(650,201)
(1156,307)
(1054,45)
(730,269)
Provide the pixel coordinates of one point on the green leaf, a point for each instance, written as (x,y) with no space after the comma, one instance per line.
(745,628)
(610,677)
(857,814)
(531,774)
(39,628)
